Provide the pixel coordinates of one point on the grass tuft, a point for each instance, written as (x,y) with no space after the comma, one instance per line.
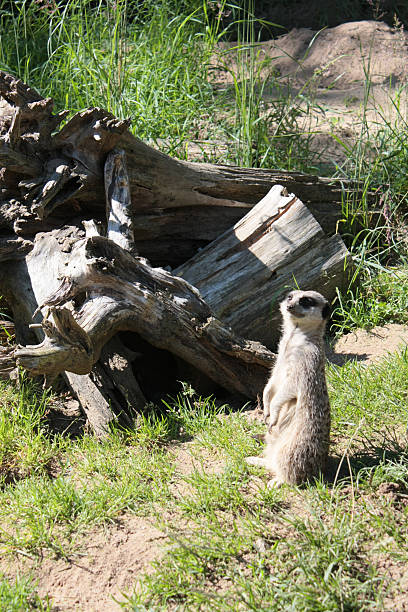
(20,595)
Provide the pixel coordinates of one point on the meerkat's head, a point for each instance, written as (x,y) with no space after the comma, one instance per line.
(305,309)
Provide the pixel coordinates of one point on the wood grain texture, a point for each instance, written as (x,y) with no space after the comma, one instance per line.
(277,246)
(117,292)
(118,201)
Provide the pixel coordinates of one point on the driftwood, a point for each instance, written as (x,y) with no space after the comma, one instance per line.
(248,269)
(80,209)
(116,292)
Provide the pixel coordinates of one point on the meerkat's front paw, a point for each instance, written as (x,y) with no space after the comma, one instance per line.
(266,413)
(271,422)
(260,461)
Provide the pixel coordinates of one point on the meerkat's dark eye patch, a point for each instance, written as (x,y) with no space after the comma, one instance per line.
(307,302)
(326,311)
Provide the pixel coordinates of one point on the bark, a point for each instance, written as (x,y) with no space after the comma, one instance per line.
(278,245)
(7,363)
(111,390)
(118,201)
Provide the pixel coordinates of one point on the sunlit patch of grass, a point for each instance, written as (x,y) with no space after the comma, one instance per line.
(100,481)
(19,595)
(241,545)
(235,543)
(137,62)
(154,63)
(371,398)
(378,299)
(25,444)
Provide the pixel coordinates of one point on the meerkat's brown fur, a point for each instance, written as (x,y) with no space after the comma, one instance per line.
(295,399)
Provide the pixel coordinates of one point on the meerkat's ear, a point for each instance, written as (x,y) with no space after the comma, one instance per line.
(326,311)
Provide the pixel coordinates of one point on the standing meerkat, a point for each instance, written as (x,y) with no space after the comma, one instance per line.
(295,399)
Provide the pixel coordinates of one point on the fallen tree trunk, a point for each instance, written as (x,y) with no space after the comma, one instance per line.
(51,178)
(277,246)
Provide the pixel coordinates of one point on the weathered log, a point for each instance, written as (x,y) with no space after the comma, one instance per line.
(278,245)
(176,207)
(116,292)
(13,247)
(111,391)
(8,368)
(118,201)
(7,332)
(83,288)
(95,406)
(112,376)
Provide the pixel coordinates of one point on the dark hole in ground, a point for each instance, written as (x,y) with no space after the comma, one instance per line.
(160,373)
(154,369)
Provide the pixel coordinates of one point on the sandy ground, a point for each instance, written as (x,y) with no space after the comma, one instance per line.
(330,67)
(369,346)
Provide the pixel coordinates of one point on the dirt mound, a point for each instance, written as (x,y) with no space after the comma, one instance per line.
(369,346)
(292,14)
(339,58)
(327,73)
(112,561)
(108,564)
(342,56)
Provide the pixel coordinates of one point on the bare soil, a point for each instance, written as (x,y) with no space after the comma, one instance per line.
(108,563)
(369,346)
(331,68)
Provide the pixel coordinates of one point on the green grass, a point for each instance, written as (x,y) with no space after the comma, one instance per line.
(25,446)
(98,481)
(20,596)
(376,235)
(380,297)
(85,54)
(246,547)
(156,64)
(232,543)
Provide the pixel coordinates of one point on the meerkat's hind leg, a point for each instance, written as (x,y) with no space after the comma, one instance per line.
(260,437)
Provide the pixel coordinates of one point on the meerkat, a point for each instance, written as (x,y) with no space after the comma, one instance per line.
(295,400)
